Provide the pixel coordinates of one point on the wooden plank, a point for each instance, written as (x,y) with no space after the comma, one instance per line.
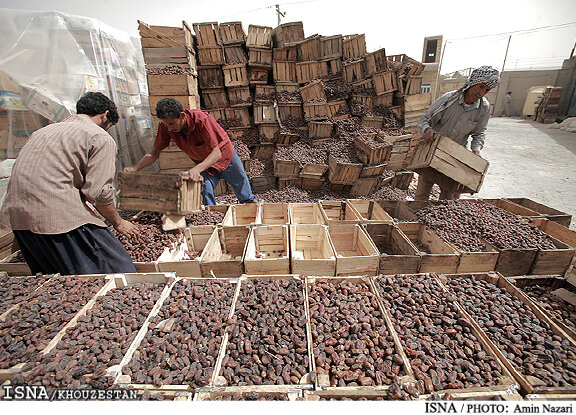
(356,253)
(417,102)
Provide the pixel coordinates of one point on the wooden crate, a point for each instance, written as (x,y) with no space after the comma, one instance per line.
(450,159)
(159,192)
(286,168)
(285,54)
(310,49)
(258,75)
(337,109)
(286,110)
(162,36)
(259,37)
(384,82)
(337,212)
(289,181)
(397,254)
(260,57)
(210,77)
(267,251)
(168,85)
(406,66)
(234,54)
(369,211)
(313,184)
(284,71)
(313,171)
(170,160)
(14,268)
(559,260)
(341,172)
(353,46)
(528,383)
(240,114)
(187,101)
(479,261)
(219,114)
(333,66)
(231,33)
(365,186)
(354,71)
(305,214)
(547,212)
(331,47)
(264,114)
(211,55)
(320,129)
(235,75)
(413,85)
(402,180)
(315,110)
(373,171)
(239,96)
(313,90)
(182,56)
(437,255)
(214,98)
(356,253)
(207,34)
(268,132)
(242,215)
(264,93)
(287,138)
(286,87)
(274,214)
(307,71)
(288,33)
(196,238)
(372,152)
(223,254)
(311,250)
(398,211)
(263,151)
(261,184)
(376,62)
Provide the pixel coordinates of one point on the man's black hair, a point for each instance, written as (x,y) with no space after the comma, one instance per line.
(95,103)
(168,107)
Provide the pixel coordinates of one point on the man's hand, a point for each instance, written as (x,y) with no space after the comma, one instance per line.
(129,169)
(195,174)
(127,228)
(428,135)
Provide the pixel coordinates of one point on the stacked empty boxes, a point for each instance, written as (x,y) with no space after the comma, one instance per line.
(171,70)
(547,110)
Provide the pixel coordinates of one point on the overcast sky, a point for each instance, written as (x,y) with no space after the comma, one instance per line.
(399,26)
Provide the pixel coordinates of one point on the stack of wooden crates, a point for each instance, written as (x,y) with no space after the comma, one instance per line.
(547,109)
(171,69)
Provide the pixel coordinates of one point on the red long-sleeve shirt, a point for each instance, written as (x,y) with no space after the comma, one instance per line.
(201,135)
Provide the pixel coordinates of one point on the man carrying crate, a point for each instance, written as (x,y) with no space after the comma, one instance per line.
(458,115)
(198,135)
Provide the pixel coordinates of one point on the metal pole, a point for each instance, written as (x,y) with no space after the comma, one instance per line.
(437,86)
(572,53)
(501,74)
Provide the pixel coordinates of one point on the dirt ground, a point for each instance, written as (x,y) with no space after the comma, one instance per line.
(532,160)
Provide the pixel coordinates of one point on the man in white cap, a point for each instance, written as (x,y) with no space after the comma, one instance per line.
(458,115)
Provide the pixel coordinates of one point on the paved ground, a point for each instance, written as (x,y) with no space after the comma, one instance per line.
(532,160)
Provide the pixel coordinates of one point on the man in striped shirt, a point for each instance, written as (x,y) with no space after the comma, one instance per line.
(61,168)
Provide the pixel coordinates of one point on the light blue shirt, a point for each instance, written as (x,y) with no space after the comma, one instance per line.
(459,121)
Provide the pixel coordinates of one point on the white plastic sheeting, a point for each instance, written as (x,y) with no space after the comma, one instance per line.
(48,60)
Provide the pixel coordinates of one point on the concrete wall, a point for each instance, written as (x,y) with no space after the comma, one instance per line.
(519,82)
(567,80)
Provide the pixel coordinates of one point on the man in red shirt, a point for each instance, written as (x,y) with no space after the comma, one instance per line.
(198,135)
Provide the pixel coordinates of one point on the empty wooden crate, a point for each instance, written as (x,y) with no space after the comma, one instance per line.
(369,211)
(437,255)
(338,212)
(356,253)
(155,192)
(267,251)
(397,254)
(274,214)
(305,213)
(223,254)
(311,251)
(242,215)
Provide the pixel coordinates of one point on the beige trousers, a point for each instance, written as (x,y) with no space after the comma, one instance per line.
(425,187)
